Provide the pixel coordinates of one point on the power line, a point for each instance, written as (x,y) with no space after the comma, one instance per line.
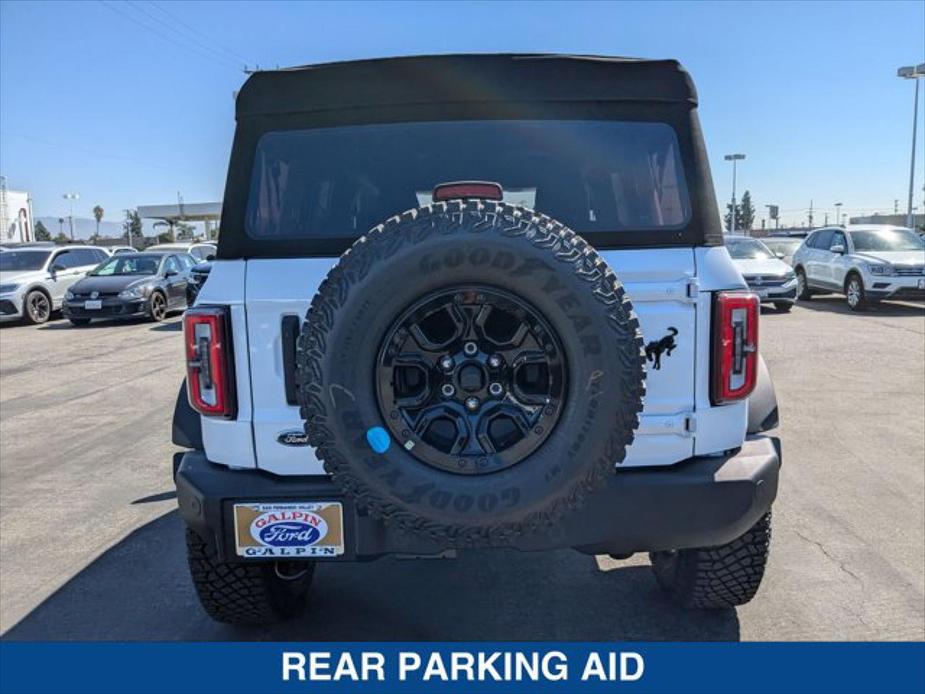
(194,30)
(172,29)
(95,152)
(167,37)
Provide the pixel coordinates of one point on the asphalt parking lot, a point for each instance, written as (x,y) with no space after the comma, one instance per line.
(91,546)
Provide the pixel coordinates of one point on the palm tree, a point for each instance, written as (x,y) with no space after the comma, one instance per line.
(98,216)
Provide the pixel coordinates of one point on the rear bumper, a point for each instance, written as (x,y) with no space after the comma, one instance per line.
(701,502)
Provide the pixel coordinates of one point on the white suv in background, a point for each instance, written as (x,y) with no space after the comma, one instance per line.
(34,279)
(201,250)
(866,263)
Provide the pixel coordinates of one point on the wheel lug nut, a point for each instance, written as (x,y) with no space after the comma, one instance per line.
(446,363)
(472,403)
(470,348)
(494,361)
(448,390)
(496,389)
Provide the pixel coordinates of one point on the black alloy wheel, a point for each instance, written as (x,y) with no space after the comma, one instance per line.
(471,379)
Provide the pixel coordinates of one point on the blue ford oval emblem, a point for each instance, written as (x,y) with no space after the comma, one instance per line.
(293,438)
(289,534)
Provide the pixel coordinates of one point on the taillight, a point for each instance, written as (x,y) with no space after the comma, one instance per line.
(735,346)
(209,363)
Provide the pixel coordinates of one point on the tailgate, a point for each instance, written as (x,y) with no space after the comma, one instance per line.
(278,293)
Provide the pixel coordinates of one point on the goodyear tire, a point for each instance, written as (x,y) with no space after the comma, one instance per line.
(546,276)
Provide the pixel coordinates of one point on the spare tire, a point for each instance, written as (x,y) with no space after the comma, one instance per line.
(470,371)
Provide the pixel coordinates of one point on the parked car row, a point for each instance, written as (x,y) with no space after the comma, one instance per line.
(87,282)
(865,263)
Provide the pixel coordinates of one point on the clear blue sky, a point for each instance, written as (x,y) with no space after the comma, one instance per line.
(127,104)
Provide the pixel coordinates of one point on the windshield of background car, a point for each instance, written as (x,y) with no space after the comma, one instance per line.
(590,175)
(23,261)
(129,264)
(887,240)
(785,246)
(748,249)
(202,252)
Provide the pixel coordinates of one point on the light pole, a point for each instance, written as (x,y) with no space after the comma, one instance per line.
(71,197)
(838,214)
(733,158)
(911,72)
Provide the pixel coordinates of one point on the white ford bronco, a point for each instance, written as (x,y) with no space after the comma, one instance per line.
(472,301)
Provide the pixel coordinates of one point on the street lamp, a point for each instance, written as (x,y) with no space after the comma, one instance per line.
(838,214)
(71,197)
(733,158)
(911,72)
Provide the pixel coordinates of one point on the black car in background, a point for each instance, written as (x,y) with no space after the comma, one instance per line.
(197,277)
(133,284)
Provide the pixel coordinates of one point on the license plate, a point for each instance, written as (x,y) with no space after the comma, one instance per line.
(922,283)
(93,305)
(762,293)
(294,529)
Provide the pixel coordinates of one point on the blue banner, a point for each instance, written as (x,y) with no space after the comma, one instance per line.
(457,668)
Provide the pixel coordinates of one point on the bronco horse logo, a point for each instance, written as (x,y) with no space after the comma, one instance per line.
(665,345)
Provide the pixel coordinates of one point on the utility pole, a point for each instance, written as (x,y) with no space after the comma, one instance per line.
(838,214)
(733,158)
(810,214)
(912,73)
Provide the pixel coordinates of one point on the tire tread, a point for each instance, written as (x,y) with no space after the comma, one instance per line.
(239,592)
(716,577)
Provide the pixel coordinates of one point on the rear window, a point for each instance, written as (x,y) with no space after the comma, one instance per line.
(594,176)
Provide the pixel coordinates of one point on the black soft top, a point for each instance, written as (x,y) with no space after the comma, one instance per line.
(463,78)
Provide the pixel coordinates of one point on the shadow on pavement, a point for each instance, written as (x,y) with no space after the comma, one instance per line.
(837,304)
(140,590)
(95,324)
(55,318)
(770,309)
(162,496)
(172,327)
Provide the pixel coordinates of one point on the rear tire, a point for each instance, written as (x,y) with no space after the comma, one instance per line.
(36,308)
(716,577)
(803,291)
(79,322)
(854,292)
(246,593)
(783,306)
